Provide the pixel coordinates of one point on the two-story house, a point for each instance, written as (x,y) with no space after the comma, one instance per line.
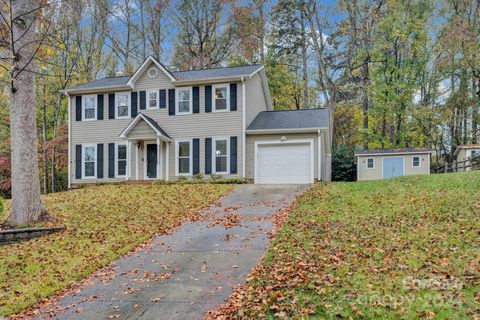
(161,124)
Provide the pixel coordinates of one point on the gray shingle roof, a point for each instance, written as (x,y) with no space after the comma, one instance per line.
(191,75)
(104,82)
(154,124)
(216,73)
(397,150)
(290,119)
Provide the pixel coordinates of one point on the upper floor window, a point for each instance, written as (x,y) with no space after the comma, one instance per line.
(370,163)
(222,97)
(152,102)
(122,106)
(416,161)
(89,153)
(89,107)
(184,101)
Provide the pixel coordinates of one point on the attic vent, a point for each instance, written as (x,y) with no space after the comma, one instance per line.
(152,72)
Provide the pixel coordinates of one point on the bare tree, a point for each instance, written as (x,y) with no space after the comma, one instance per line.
(22,44)
(205,36)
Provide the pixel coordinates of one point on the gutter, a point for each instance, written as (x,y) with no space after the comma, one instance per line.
(288,130)
(96,90)
(393,154)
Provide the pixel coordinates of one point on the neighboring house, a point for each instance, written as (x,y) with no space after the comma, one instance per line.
(389,163)
(161,124)
(466,151)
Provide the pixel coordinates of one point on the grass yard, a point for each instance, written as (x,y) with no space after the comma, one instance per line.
(405,248)
(103,223)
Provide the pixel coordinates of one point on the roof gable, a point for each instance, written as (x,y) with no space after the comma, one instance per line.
(140,71)
(152,123)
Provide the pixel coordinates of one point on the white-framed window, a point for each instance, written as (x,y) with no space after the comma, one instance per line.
(184,157)
(184,101)
(89,161)
(120,159)
(221,97)
(152,99)
(122,105)
(89,108)
(416,161)
(370,163)
(221,155)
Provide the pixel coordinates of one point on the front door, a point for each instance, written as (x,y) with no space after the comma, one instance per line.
(152,161)
(392,167)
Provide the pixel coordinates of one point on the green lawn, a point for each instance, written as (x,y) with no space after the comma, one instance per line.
(404,248)
(103,223)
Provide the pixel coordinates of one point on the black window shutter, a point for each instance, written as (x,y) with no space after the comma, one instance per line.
(162,94)
(111,160)
(134,104)
(171,102)
(196,99)
(100,161)
(143,100)
(208,155)
(78,161)
(208,98)
(233,97)
(196,156)
(233,154)
(78,108)
(111,106)
(100,107)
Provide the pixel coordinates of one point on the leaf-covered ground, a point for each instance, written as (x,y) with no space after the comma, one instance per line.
(404,248)
(103,223)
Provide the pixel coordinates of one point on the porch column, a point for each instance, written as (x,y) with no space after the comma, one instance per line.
(129,159)
(167,160)
(158,158)
(136,161)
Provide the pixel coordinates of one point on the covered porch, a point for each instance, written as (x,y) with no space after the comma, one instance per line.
(147,150)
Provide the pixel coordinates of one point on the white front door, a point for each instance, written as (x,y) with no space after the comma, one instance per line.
(280,163)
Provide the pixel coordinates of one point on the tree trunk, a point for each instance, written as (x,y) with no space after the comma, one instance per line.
(365,78)
(53,159)
(44,136)
(26,202)
(305,102)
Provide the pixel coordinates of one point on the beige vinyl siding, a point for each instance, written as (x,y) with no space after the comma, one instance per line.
(250,148)
(142,130)
(363,173)
(202,125)
(255,100)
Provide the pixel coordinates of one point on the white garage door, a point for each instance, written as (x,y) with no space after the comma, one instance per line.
(284,163)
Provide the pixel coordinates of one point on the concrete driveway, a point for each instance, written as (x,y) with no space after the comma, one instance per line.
(186,273)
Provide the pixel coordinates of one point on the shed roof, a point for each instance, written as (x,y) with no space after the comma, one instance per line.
(392,151)
(290,119)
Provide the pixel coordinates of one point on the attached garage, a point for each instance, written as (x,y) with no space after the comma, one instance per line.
(288,147)
(289,162)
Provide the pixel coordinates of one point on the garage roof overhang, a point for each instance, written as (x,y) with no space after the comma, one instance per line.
(283,130)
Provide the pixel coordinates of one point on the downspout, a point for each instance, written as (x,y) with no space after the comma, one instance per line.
(69,142)
(319,152)
(243,128)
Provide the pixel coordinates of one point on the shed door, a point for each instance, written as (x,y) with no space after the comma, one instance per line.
(392,167)
(284,163)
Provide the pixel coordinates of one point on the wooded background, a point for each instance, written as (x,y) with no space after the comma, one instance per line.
(395,73)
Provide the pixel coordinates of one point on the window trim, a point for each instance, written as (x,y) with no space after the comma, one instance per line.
(84,98)
(419,162)
(177,149)
(117,95)
(157,99)
(214,156)
(214,104)
(177,100)
(117,144)
(366,163)
(84,146)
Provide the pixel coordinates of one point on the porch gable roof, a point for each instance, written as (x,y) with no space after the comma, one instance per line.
(152,123)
